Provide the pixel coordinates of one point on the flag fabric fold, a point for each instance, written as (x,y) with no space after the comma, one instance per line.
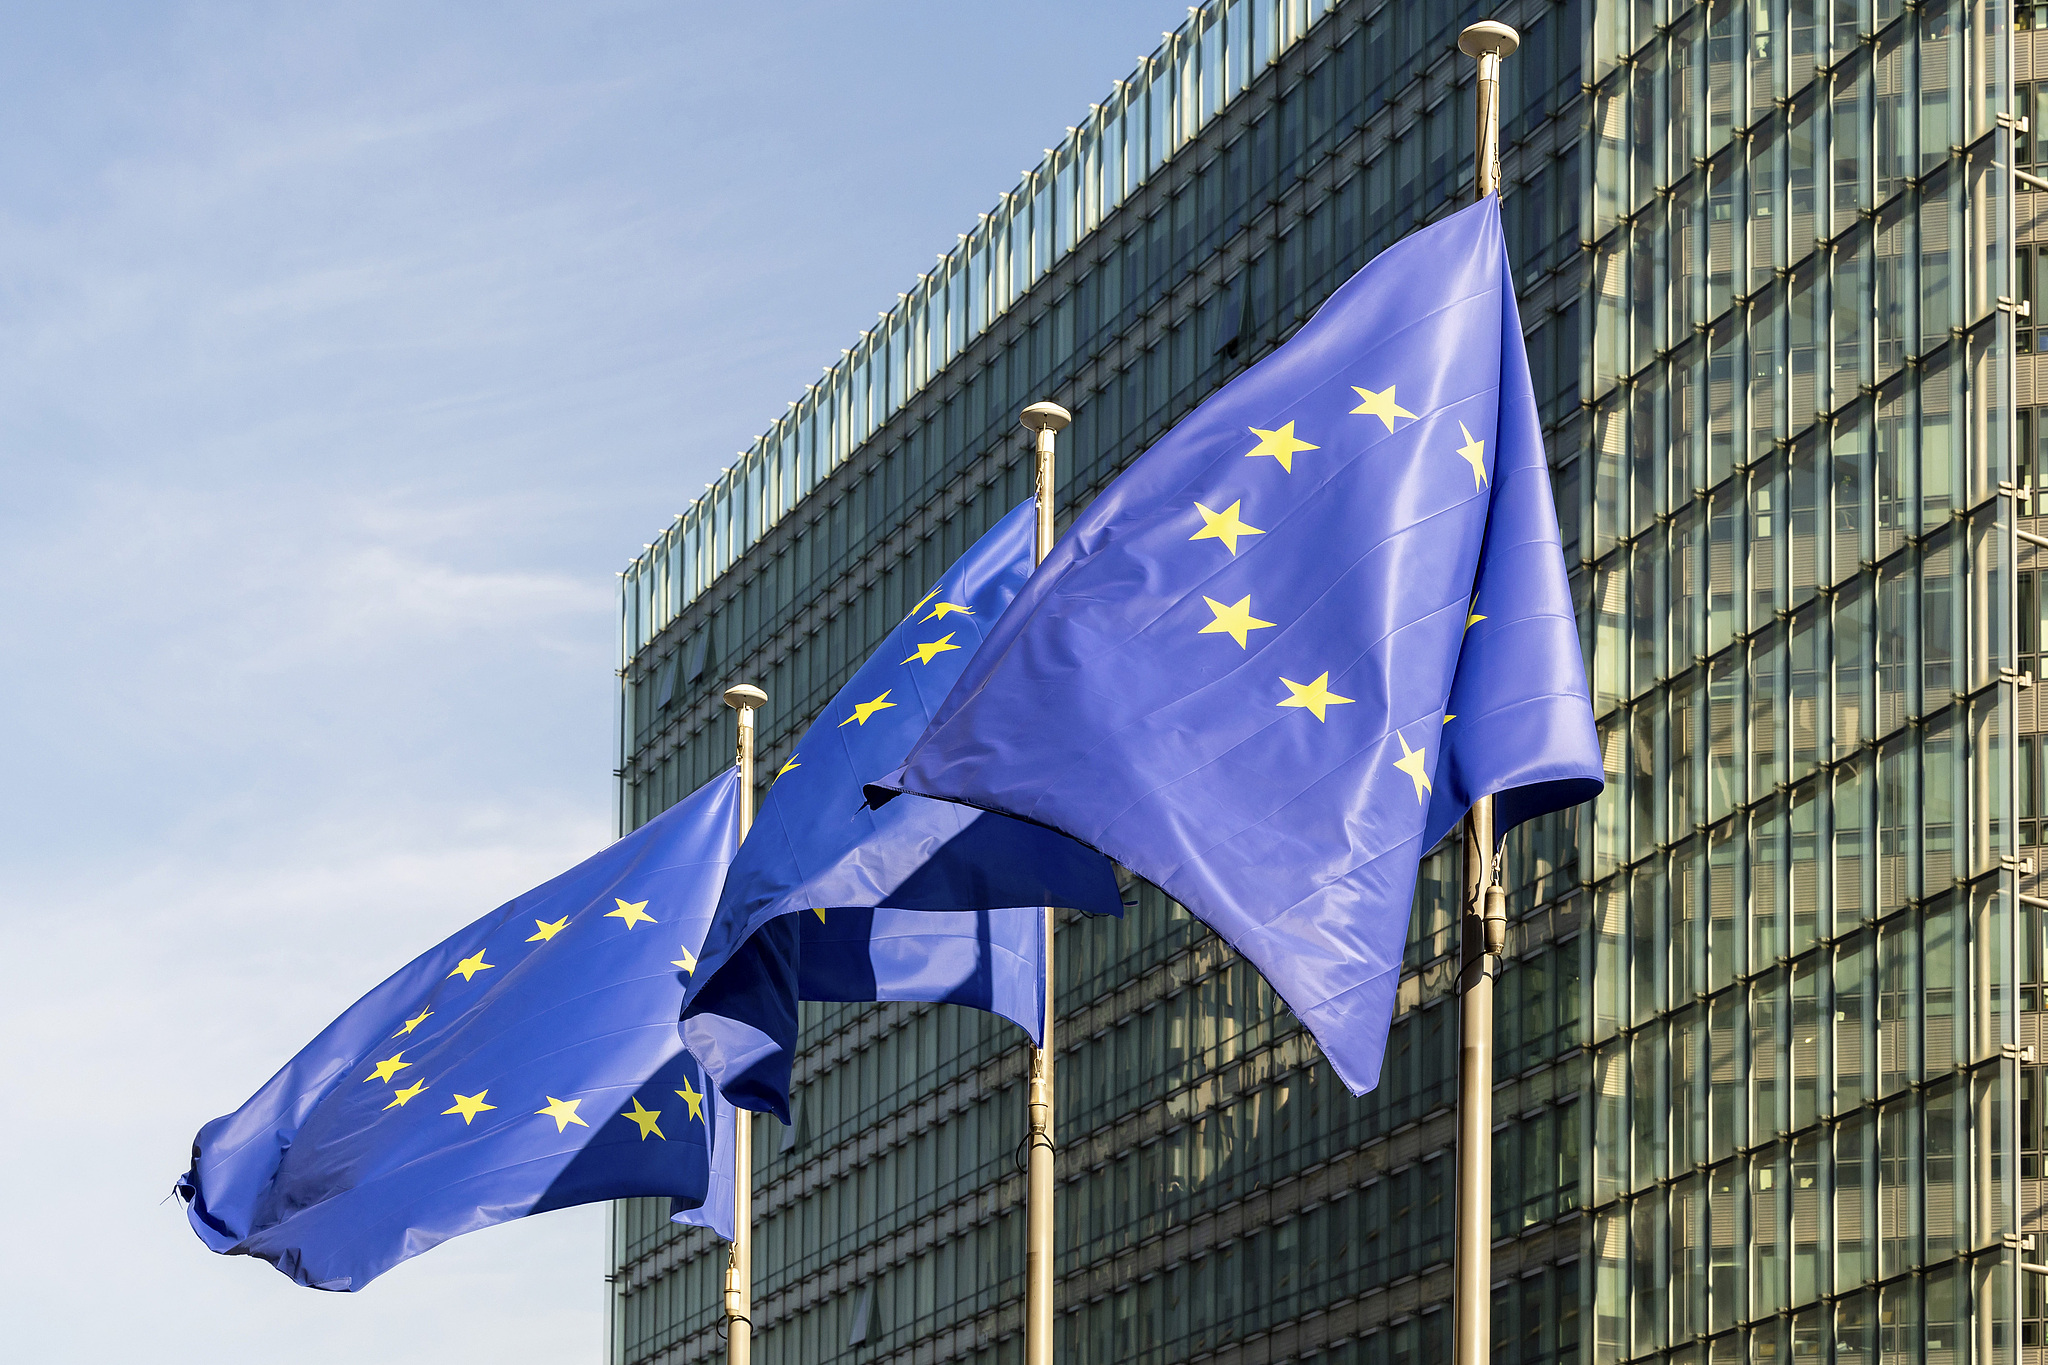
(922,900)
(1275,661)
(530,1062)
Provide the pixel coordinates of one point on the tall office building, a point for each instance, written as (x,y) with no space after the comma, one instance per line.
(1765,1085)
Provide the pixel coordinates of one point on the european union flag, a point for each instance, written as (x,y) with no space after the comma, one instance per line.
(923,900)
(1279,657)
(531,1062)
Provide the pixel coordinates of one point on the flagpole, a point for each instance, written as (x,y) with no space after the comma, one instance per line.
(1044,420)
(739,1267)
(1484,919)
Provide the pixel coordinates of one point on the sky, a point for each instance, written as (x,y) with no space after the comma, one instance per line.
(346,353)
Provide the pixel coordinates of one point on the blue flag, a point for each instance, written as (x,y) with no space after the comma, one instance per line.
(530,1062)
(1279,657)
(922,900)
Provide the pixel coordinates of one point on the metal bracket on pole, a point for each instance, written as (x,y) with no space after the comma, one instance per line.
(746,699)
(1044,421)
(1484,918)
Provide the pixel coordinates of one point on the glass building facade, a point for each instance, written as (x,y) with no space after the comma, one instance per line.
(1768,1082)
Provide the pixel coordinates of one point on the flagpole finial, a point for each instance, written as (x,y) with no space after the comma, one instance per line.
(1045,417)
(1489,38)
(1488,41)
(745,697)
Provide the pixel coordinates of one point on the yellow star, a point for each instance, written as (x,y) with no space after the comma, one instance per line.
(1236,621)
(945,609)
(632,912)
(563,1112)
(1410,762)
(926,598)
(688,962)
(819,913)
(862,710)
(389,1067)
(1473,452)
(1472,620)
(787,766)
(693,1098)
(399,1097)
(547,931)
(1224,526)
(1282,445)
(469,1106)
(1380,405)
(415,1021)
(926,653)
(1315,696)
(1449,719)
(645,1118)
(470,966)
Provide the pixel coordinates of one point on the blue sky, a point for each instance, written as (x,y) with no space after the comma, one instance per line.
(345,354)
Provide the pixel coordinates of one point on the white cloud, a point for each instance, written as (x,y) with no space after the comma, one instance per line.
(344,354)
(164,991)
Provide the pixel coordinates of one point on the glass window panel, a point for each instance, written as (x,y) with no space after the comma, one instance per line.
(1688,1258)
(1647,765)
(1811,1252)
(1727,1074)
(1726,426)
(1649,612)
(1650,1276)
(1729,1248)
(1944,966)
(1895,629)
(1610,634)
(1809,1042)
(1767,892)
(1649,300)
(1940,452)
(1805,520)
(1851,133)
(1725,738)
(1855,1200)
(1896,331)
(1850,293)
(1766,736)
(1657,1152)
(1806,339)
(1939,802)
(1894,518)
(1724,568)
(1684,622)
(1769,1218)
(1855,1017)
(1726,898)
(1767,540)
(1895,774)
(1610,1116)
(1807,662)
(1939,231)
(1947,1210)
(1850,493)
(1898,1187)
(1767,387)
(1609,433)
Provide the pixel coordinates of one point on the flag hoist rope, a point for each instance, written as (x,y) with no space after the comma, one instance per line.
(1044,420)
(739,1267)
(1483,923)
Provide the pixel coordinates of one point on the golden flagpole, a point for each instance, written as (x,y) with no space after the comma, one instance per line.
(745,699)
(1484,920)
(1044,420)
